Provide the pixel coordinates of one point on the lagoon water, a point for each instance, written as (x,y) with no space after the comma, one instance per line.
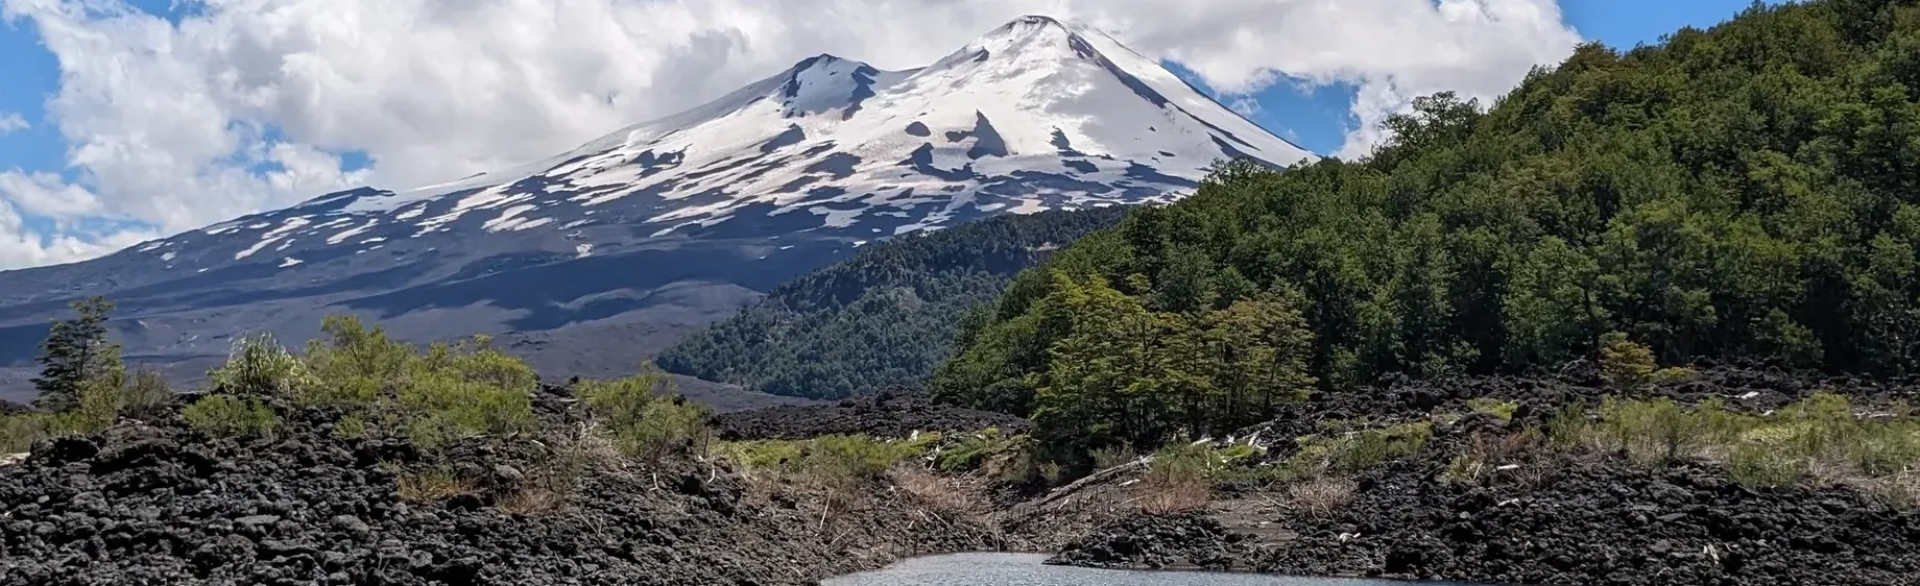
(1005,569)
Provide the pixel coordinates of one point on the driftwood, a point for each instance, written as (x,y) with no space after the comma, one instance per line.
(1029,507)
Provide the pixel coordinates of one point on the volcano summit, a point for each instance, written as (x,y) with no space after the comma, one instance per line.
(669,224)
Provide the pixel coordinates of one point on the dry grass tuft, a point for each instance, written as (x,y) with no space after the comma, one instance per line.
(1320,497)
(433,485)
(937,492)
(1900,491)
(533,500)
(1161,498)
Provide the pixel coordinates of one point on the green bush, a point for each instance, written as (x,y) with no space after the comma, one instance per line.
(350,427)
(258,365)
(1625,366)
(146,391)
(1183,462)
(843,460)
(973,450)
(1110,456)
(1354,451)
(455,392)
(438,408)
(354,364)
(646,416)
(1673,375)
(230,416)
(19,432)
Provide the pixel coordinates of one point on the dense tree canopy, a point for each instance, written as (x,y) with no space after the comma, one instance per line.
(1750,192)
(884,317)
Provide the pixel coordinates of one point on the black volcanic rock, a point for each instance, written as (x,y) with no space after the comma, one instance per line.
(884,415)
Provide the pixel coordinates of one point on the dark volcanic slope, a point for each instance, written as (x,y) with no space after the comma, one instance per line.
(1565,517)
(885,414)
(161,504)
(881,319)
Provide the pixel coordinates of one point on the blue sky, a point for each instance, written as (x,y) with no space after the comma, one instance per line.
(1318,118)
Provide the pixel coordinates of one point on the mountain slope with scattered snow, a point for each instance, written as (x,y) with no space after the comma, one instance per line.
(671,223)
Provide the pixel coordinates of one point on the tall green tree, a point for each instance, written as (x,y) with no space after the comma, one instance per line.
(1745,193)
(75,351)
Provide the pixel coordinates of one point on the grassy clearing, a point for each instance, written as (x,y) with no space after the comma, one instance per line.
(1819,440)
(834,462)
(973,451)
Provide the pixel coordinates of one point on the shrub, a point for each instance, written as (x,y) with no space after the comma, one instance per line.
(1762,466)
(229,416)
(1182,462)
(1673,375)
(845,461)
(664,427)
(1165,499)
(1487,455)
(350,427)
(1354,451)
(353,363)
(439,408)
(257,365)
(973,450)
(18,433)
(646,417)
(99,403)
(1108,457)
(462,391)
(1179,478)
(777,456)
(1568,424)
(146,391)
(1625,366)
(1650,431)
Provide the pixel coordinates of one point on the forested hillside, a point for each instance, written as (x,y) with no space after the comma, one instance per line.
(884,317)
(1745,193)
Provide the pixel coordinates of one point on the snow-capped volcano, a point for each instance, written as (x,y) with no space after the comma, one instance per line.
(1037,114)
(728,198)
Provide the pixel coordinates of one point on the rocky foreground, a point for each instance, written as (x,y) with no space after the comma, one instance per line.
(1561,520)
(154,501)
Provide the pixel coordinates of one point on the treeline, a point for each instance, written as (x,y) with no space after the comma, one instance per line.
(1747,193)
(884,317)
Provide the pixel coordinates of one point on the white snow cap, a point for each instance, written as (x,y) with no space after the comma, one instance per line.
(1037,114)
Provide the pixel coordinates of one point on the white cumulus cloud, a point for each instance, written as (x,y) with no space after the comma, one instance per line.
(12,121)
(247,105)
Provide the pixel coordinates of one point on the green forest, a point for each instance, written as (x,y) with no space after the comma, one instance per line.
(882,318)
(1749,193)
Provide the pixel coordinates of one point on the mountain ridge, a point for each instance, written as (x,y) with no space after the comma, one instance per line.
(677,221)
